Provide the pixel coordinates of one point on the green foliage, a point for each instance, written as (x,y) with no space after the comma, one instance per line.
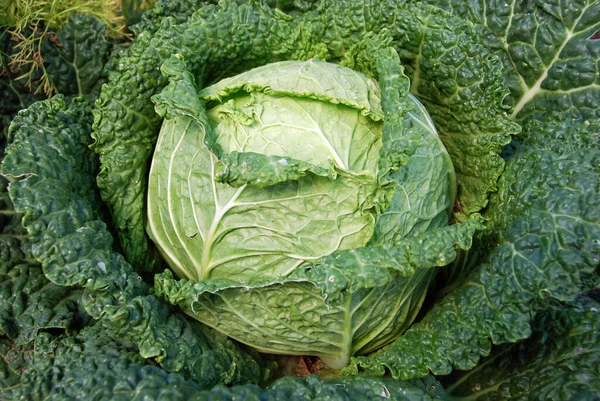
(542,234)
(351,302)
(60,210)
(78,322)
(74,63)
(61,367)
(125,119)
(312,388)
(549,51)
(133,10)
(31,24)
(220,228)
(559,361)
(151,20)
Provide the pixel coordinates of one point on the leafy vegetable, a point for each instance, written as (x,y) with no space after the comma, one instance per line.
(74,62)
(544,225)
(61,213)
(443,92)
(560,361)
(549,51)
(266,146)
(283,38)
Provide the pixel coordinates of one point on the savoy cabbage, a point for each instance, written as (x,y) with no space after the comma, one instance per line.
(462,134)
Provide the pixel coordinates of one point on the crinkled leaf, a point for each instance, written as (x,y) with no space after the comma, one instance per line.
(414,167)
(28,301)
(453,75)
(74,59)
(14,244)
(126,126)
(550,51)
(150,20)
(460,85)
(362,388)
(351,302)
(335,84)
(547,226)
(318,194)
(37,145)
(373,266)
(75,62)
(560,362)
(92,365)
(465,97)
(62,368)
(31,303)
(13,361)
(75,248)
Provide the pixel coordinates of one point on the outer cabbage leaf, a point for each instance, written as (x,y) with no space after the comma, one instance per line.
(544,244)
(550,51)
(452,74)
(92,365)
(74,58)
(76,61)
(62,367)
(55,193)
(352,302)
(12,363)
(414,166)
(150,20)
(14,246)
(361,388)
(29,303)
(559,362)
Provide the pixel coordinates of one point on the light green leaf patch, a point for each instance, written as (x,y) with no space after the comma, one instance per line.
(351,302)
(289,170)
(283,267)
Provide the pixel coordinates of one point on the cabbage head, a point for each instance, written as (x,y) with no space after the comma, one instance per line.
(303,205)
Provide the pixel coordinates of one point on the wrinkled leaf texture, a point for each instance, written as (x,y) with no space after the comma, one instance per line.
(455,77)
(53,172)
(549,50)
(559,362)
(519,237)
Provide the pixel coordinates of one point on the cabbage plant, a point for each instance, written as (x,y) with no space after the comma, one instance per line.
(298,202)
(326,251)
(425,181)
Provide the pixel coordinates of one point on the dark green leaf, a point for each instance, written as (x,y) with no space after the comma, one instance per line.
(559,362)
(550,50)
(543,243)
(75,248)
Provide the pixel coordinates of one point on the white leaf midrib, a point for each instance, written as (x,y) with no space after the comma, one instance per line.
(533,90)
(220,212)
